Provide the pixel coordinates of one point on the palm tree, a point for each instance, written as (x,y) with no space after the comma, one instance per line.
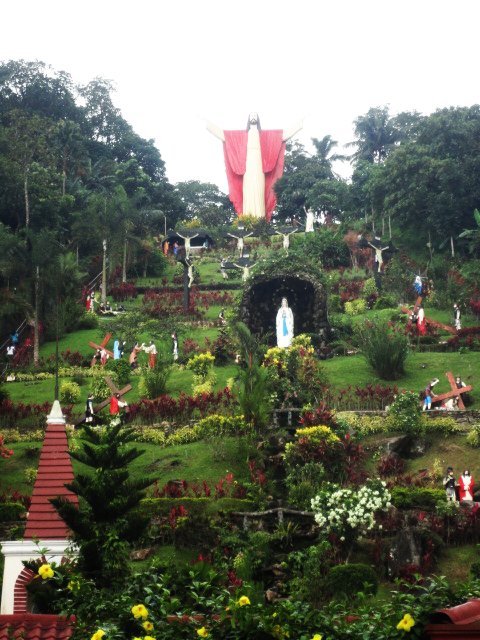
(376,135)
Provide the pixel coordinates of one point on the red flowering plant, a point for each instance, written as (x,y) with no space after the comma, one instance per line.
(123,291)
(4,451)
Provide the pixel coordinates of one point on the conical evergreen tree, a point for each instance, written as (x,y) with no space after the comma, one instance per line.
(105,522)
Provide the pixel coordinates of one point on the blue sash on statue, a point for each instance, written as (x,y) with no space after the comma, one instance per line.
(285,328)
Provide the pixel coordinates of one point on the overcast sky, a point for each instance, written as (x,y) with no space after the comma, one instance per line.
(175,63)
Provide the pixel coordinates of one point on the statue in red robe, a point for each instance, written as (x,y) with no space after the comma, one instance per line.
(254,162)
(465,483)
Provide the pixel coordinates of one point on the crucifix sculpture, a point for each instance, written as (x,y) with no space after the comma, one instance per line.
(455,392)
(104,403)
(103,345)
(285,232)
(240,234)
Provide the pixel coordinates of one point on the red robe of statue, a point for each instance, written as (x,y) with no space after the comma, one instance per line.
(113,406)
(235,152)
(466,487)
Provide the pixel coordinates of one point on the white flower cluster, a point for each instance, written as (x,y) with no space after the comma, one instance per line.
(346,510)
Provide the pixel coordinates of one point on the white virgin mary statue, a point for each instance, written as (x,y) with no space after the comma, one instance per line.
(284,325)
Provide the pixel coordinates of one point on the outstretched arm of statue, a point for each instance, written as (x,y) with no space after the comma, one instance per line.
(216,131)
(291,131)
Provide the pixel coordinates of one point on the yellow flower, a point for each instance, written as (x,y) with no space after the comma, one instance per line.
(148,638)
(406,623)
(45,571)
(98,635)
(317,636)
(243,600)
(202,632)
(140,611)
(147,625)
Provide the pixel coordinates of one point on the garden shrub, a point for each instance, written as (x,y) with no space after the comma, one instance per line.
(30,475)
(475,570)
(153,382)
(473,437)
(347,580)
(355,307)
(295,376)
(363,425)
(87,321)
(202,387)
(100,389)
(69,392)
(349,512)
(334,303)
(445,425)
(11,511)
(405,414)
(217,425)
(386,301)
(384,347)
(184,435)
(121,368)
(313,565)
(14,435)
(303,483)
(201,364)
(416,497)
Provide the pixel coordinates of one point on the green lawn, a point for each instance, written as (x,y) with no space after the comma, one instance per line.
(193,462)
(420,368)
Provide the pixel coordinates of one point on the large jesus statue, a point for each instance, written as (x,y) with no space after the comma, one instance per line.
(254,162)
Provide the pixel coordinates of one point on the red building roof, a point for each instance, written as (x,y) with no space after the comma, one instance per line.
(35,626)
(54,470)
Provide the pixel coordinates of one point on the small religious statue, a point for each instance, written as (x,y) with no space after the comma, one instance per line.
(244,264)
(466,486)
(133,357)
(240,234)
(116,403)
(89,409)
(428,394)
(152,354)
(116,350)
(284,325)
(175,346)
(223,270)
(457,317)
(417,285)
(377,247)
(191,276)
(421,322)
(187,238)
(285,232)
(253,162)
(449,484)
(310,219)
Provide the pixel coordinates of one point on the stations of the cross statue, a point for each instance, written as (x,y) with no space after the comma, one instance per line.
(117,393)
(451,399)
(244,264)
(191,241)
(382,252)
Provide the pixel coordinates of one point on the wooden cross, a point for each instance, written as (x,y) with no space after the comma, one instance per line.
(104,403)
(454,393)
(102,345)
(433,323)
